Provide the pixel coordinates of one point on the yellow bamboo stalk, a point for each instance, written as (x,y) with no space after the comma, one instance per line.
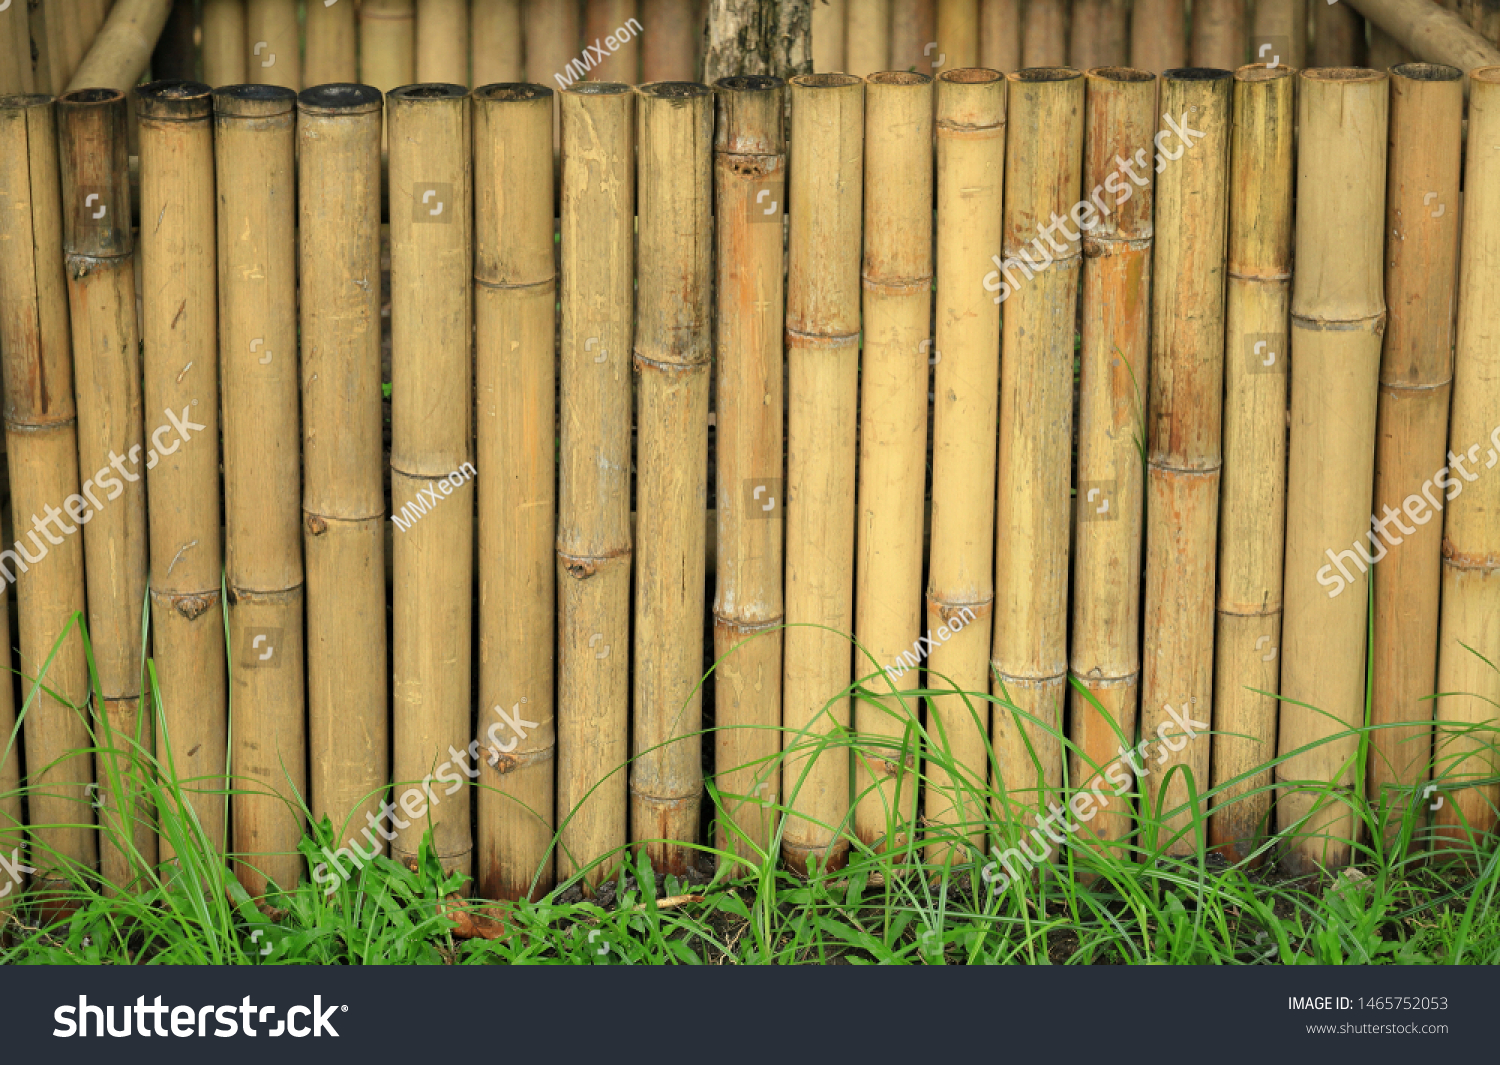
(41,441)
(222,24)
(1000,34)
(1119,123)
(387,43)
(1158,35)
(1044,34)
(343,503)
(332,38)
(1278,33)
(181,375)
(829,20)
(274,41)
(1471,546)
(750,205)
(16,70)
(495,41)
(1219,33)
(913,23)
(1338,315)
(100,258)
(516,377)
(966,382)
(897,282)
(12,834)
(442,41)
(593,526)
(1184,446)
(122,49)
(607,27)
(1252,499)
(958,33)
(868,45)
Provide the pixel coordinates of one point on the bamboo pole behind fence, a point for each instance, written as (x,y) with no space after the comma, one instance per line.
(516,378)
(1338,36)
(1471,544)
(822,331)
(1252,506)
(1105,660)
(593,525)
(1219,33)
(913,23)
(1338,315)
(1000,34)
(1083,33)
(750,204)
(669,52)
(601,19)
(254,145)
(181,376)
(957,33)
(1278,33)
(275,42)
(966,383)
(1385,51)
(1416,384)
(827,30)
(122,49)
(1432,32)
(442,41)
(332,38)
(222,28)
(41,441)
(16,72)
(1044,34)
(343,500)
(495,41)
(1183,443)
(387,43)
(897,282)
(100,260)
(1158,35)
(552,33)
(673,346)
(868,44)
(432,317)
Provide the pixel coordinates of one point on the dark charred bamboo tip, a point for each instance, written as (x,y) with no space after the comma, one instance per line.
(674,90)
(174,101)
(1349,74)
(512,92)
(340,98)
(1261,72)
(431,90)
(90,97)
(1488,75)
(911,77)
(826,81)
(750,83)
(254,101)
(597,88)
(971,76)
(1197,74)
(19,101)
(1430,71)
(1120,74)
(1046,74)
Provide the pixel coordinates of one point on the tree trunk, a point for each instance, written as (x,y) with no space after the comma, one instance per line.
(758,37)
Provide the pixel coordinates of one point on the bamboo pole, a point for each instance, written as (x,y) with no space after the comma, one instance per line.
(1000,34)
(343,503)
(40,46)
(1385,51)
(603,22)
(913,23)
(274,39)
(12,828)
(387,43)
(822,331)
(1028,658)
(100,264)
(431,402)
(958,33)
(1044,34)
(1084,24)
(175,55)
(1252,498)
(750,204)
(1158,36)
(331,37)
(966,383)
(224,49)
(593,526)
(1484,17)
(122,49)
(1184,444)
(1119,123)
(495,41)
(1113,49)
(1219,33)
(16,71)
(254,143)
(1430,32)
(41,441)
(516,376)
(181,375)
(1338,315)
(671,362)
(669,52)
(1338,36)
(829,19)
(1278,33)
(868,46)
(1471,546)
(442,41)
(552,35)
(897,283)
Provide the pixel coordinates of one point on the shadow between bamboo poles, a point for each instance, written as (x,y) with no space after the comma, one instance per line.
(1338,36)
(442,41)
(431,477)
(331,36)
(670,51)
(1044,33)
(254,148)
(495,41)
(1028,652)
(343,503)
(1114,376)
(867,42)
(1184,446)
(1113,48)
(387,43)
(593,526)
(673,346)
(1219,34)
(100,264)
(896,278)
(601,19)
(1416,382)
(957,33)
(1471,544)
(1278,33)
(1252,514)
(999,35)
(822,337)
(965,354)
(516,376)
(1338,315)
(41,438)
(750,498)
(1158,35)
(181,375)
(222,30)
(828,33)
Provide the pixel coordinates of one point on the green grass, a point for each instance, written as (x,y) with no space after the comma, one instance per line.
(1398,905)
